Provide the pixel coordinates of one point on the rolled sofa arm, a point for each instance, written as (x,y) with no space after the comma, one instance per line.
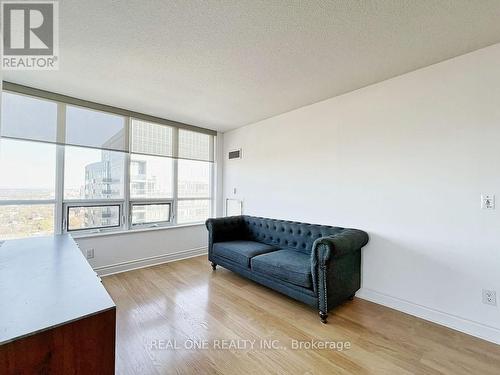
(329,247)
(223,228)
(324,252)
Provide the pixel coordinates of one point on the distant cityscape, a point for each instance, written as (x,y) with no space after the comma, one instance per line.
(25,194)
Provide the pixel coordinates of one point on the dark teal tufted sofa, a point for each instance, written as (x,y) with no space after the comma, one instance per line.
(315,264)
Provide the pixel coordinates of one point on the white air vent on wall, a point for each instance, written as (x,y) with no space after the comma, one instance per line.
(235,154)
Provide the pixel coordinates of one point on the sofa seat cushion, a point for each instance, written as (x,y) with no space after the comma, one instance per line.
(241,251)
(287,265)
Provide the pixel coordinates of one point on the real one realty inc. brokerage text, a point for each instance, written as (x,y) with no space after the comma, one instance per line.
(241,344)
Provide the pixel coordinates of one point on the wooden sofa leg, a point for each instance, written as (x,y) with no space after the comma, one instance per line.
(323,316)
(351,297)
(214,265)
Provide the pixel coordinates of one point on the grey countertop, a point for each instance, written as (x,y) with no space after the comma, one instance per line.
(46,282)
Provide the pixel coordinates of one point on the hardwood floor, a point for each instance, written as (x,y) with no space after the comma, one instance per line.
(185,303)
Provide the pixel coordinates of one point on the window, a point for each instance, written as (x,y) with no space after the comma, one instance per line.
(194,181)
(193,145)
(92,170)
(93,174)
(192,211)
(150,213)
(151,139)
(26,220)
(27,170)
(151,173)
(27,188)
(93,217)
(92,178)
(25,117)
(97,129)
(151,177)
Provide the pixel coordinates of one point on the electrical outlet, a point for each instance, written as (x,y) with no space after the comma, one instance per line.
(490,297)
(90,253)
(488,201)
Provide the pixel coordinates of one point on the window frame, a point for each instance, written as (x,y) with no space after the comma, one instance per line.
(151,224)
(62,205)
(65,204)
(156,200)
(94,203)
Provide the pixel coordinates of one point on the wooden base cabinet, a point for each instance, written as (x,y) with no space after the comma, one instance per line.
(56,317)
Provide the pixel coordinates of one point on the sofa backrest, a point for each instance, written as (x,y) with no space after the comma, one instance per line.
(286,234)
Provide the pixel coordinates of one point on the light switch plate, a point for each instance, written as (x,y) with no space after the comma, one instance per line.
(488,201)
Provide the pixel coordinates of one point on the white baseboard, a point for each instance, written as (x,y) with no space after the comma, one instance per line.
(457,323)
(150,261)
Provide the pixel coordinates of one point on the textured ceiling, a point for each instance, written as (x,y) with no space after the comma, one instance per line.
(224,64)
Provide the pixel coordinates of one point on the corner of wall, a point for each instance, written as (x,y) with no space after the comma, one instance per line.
(219,160)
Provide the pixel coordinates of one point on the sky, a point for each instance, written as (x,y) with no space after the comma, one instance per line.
(32,165)
(27,165)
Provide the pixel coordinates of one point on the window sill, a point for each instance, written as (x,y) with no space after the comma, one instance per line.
(77,236)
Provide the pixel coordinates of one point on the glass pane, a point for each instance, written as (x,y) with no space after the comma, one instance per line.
(150,177)
(193,211)
(93,174)
(152,139)
(193,145)
(150,213)
(26,221)
(28,118)
(85,127)
(193,179)
(93,217)
(27,170)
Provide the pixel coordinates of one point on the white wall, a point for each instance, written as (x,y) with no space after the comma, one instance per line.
(406,160)
(128,250)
